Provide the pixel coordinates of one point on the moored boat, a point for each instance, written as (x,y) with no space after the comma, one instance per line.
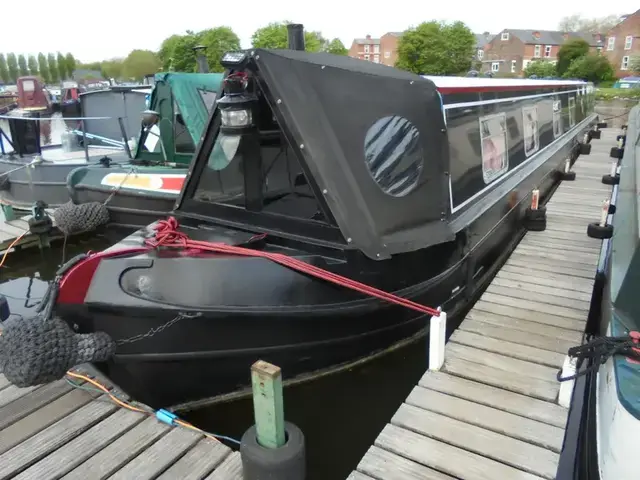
(314,172)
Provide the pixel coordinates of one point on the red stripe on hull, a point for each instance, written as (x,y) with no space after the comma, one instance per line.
(172,183)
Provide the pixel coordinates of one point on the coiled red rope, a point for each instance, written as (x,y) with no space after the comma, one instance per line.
(168,235)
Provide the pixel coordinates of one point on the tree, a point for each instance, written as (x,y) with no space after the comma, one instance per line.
(176,52)
(592,68)
(140,63)
(62,67)
(275,35)
(437,48)
(634,64)
(4,70)
(218,41)
(53,68)
(569,52)
(32,63)
(112,68)
(576,23)
(44,68)
(70,64)
(540,68)
(336,47)
(12,66)
(22,66)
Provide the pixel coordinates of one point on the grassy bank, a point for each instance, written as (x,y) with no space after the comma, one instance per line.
(619,93)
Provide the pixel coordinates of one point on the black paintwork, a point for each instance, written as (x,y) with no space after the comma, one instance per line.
(251,309)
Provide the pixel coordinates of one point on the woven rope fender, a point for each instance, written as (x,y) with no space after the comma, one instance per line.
(85,217)
(34,351)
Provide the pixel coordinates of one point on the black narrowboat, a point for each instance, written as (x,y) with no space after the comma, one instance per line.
(411,185)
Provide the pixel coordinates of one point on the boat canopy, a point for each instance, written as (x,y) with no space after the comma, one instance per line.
(195,94)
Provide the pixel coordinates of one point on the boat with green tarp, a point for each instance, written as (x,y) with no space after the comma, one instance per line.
(140,187)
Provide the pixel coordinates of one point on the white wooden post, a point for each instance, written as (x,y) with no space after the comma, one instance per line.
(567,165)
(614,168)
(604,213)
(535,199)
(437,335)
(566,387)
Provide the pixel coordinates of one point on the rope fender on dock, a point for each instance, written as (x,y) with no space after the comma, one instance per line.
(72,218)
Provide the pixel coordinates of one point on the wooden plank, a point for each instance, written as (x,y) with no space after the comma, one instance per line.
(512,335)
(501,362)
(572,337)
(446,458)
(524,406)
(488,418)
(550,268)
(490,304)
(384,465)
(589,260)
(535,306)
(159,456)
(532,286)
(82,447)
(589,270)
(577,237)
(359,476)
(106,462)
(560,245)
(508,348)
(530,386)
(42,418)
(511,272)
(545,303)
(12,393)
(512,452)
(53,437)
(14,411)
(230,469)
(198,462)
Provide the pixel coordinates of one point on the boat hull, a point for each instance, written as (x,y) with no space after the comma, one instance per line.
(142,194)
(209,357)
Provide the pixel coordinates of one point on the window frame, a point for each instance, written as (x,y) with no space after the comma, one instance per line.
(504,36)
(513,66)
(628,42)
(547,51)
(376,49)
(366,48)
(572,111)
(624,65)
(611,44)
(492,177)
(557,117)
(480,54)
(537,49)
(495,64)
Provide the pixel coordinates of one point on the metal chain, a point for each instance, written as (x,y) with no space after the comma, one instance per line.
(117,189)
(154,330)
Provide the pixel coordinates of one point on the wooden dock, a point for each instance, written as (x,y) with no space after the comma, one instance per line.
(59,431)
(11,230)
(491,412)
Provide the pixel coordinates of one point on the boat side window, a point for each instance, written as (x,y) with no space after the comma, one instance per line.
(285,189)
(182,138)
(28,85)
(572,111)
(493,138)
(557,118)
(531,133)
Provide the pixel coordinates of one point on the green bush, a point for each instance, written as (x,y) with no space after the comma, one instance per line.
(617,93)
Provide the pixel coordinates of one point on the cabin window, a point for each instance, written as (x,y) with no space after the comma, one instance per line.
(530,126)
(493,138)
(393,155)
(28,85)
(209,98)
(557,118)
(572,111)
(182,138)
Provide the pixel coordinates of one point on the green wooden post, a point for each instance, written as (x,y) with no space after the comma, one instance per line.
(7,211)
(268,405)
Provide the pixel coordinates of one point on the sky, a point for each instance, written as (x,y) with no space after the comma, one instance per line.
(115,28)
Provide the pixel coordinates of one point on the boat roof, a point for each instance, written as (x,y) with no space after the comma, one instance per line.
(195,94)
(478,84)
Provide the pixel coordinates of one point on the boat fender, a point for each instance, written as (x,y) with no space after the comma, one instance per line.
(611,179)
(285,463)
(5,311)
(535,220)
(36,350)
(617,152)
(585,148)
(85,217)
(594,134)
(595,230)
(602,124)
(4,182)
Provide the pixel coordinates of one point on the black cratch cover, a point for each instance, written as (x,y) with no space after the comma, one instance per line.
(373,137)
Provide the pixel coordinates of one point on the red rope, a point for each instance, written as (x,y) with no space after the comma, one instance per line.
(168,235)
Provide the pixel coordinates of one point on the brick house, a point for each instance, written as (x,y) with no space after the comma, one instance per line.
(385,49)
(510,51)
(623,43)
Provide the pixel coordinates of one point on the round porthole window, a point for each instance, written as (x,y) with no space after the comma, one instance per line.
(393,155)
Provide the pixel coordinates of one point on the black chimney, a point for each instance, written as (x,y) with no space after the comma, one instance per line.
(203,65)
(296,36)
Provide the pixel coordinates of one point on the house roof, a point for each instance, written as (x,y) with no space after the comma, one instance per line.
(367,41)
(482,39)
(552,37)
